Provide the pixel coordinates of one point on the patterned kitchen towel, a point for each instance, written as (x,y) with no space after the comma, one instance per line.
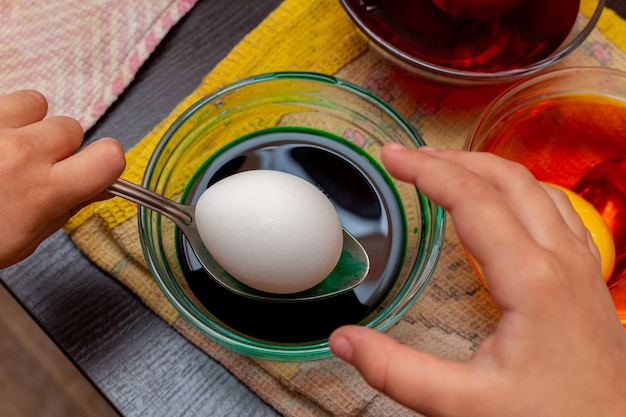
(80,54)
(453,315)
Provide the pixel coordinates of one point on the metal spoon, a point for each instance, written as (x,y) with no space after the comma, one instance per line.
(350,271)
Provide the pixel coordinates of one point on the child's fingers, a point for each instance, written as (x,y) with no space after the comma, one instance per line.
(55,138)
(85,175)
(548,223)
(502,214)
(22,108)
(414,378)
(476,206)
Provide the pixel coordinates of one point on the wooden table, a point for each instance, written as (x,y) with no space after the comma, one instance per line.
(136,360)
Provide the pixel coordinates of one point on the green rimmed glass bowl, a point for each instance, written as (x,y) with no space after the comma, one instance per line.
(329,132)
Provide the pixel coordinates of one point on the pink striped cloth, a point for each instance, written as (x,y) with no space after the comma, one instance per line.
(81,54)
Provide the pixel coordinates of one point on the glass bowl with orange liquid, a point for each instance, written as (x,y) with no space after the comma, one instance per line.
(568,127)
(433,39)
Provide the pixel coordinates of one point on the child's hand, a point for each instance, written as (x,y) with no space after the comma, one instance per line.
(559,348)
(42,181)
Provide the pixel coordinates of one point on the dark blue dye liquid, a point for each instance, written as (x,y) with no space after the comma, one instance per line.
(367,205)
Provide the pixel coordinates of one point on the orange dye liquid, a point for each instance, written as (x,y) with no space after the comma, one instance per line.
(564,139)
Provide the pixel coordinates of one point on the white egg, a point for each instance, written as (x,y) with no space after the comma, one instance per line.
(271,230)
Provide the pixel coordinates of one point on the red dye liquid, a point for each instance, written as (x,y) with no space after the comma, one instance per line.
(525,34)
(578,142)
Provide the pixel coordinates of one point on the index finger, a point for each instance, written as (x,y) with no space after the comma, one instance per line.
(22,108)
(490,230)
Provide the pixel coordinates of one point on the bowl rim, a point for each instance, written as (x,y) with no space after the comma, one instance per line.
(284,351)
(521,86)
(468,77)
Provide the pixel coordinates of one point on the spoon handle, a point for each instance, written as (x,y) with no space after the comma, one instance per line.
(181,214)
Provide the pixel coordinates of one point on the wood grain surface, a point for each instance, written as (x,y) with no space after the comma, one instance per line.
(141,365)
(31,364)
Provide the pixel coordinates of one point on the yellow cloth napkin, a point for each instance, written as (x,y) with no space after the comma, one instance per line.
(453,315)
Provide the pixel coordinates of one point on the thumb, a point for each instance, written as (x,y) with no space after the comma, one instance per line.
(416,379)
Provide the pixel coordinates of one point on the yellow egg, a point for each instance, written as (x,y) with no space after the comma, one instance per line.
(597,228)
(592,220)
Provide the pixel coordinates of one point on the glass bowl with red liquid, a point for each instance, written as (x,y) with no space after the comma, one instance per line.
(485,46)
(568,127)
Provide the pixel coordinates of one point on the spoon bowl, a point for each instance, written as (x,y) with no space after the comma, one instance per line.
(350,271)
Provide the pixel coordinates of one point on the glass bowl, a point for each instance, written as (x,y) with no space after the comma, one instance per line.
(424,40)
(568,127)
(329,132)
